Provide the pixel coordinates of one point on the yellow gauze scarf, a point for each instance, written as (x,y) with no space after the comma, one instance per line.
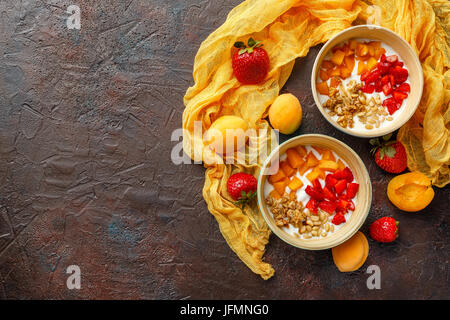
(288,29)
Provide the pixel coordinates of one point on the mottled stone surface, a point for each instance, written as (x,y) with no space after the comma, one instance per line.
(85,124)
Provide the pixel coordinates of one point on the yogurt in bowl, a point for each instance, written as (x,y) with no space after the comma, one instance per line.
(319,196)
(367,81)
(313,194)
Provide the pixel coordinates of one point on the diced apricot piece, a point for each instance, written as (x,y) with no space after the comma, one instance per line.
(338,57)
(328,165)
(301,150)
(322,87)
(351,255)
(353,43)
(274,194)
(362,66)
(303,169)
(341,165)
(326,64)
(319,150)
(379,52)
(374,44)
(295,184)
(349,63)
(287,169)
(328,155)
(345,73)
(336,72)
(280,186)
(372,63)
(411,191)
(292,196)
(314,174)
(324,75)
(277,177)
(294,159)
(362,50)
(311,160)
(334,82)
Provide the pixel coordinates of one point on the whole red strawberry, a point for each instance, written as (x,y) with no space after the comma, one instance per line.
(250,64)
(242,187)
(384,229)
(389,155)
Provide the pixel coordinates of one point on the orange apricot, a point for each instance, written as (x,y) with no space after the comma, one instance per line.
(280,186)
(328,155)
(295,184)
(338,57)
(274,194)
(311,160)
(411,191)
(287,169)
(322,87)
(294,158)
(328,165)
(277,177)
(326,64)
(351,255)
(285,113)
(315,173)
(324,75)
(301,150)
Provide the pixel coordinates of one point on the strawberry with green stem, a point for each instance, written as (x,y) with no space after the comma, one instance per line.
(242,188)
(250,63)
(390,155)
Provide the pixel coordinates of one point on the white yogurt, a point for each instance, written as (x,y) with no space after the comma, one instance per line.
(304,197)
(358,126)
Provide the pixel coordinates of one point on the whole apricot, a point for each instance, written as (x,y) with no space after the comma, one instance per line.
(227,134)
(285,113)
(411,191)
(351,255)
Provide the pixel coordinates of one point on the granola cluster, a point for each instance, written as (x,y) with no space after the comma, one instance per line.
(348,102)
(291,212)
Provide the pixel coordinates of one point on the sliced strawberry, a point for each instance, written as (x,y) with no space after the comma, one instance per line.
(373,76)
(348,175)
(383,58)
(312,205)
(400,74)
(383,67)
(392,59)
(385,79)
(317,186)
(399,96)
(351,205)
(404,87)
(391,105)
(378,85)
(368,88)
(340,186)
(342,205)
(338,219)
(327,206)
(330,182)
(387,89)
(392,79)
(328,194)
(352,189)
(364,75)
(313,193)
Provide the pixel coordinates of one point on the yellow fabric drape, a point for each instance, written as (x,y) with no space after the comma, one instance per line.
(288,29)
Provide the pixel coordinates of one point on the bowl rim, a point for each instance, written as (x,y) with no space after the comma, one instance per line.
(388,129)
(278,231)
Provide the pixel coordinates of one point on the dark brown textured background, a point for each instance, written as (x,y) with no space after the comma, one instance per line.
(85,173)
